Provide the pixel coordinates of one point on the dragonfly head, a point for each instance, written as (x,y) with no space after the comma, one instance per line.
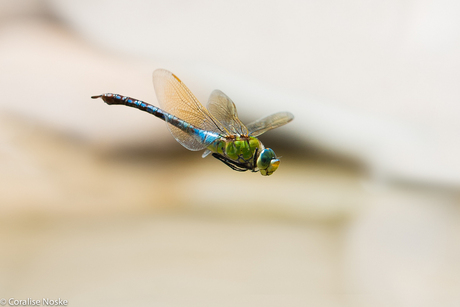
(267,162)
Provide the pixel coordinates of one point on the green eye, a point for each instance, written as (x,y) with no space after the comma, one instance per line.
(264,160)
(267,162)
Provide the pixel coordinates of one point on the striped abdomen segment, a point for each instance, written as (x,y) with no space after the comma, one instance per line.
(206,137)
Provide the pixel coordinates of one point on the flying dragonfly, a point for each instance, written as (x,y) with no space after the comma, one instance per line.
(216,128)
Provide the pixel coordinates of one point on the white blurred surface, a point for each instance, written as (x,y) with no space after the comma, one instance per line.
(377,82)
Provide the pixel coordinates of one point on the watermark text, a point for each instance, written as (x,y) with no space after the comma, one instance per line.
(33,302)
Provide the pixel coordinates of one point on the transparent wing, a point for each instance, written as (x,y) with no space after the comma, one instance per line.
(223,108)
(270,122)
(175,98)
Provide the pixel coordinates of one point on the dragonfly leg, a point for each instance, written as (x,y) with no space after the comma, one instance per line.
(232,164)
(255,161)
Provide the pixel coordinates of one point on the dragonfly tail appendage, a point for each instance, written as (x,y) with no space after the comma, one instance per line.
(115,99)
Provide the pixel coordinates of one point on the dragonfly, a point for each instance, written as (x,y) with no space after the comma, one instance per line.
(217,128)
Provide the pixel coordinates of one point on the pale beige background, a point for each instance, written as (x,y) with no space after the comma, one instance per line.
(100,206)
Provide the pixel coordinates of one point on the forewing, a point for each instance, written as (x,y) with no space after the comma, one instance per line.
(270,122)
(223,108)
(175,98)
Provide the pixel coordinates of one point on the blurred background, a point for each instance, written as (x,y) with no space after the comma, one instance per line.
(101,206)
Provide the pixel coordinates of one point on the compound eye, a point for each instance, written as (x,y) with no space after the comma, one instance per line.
(265,158)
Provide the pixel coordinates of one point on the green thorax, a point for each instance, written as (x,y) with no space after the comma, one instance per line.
(237,148)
